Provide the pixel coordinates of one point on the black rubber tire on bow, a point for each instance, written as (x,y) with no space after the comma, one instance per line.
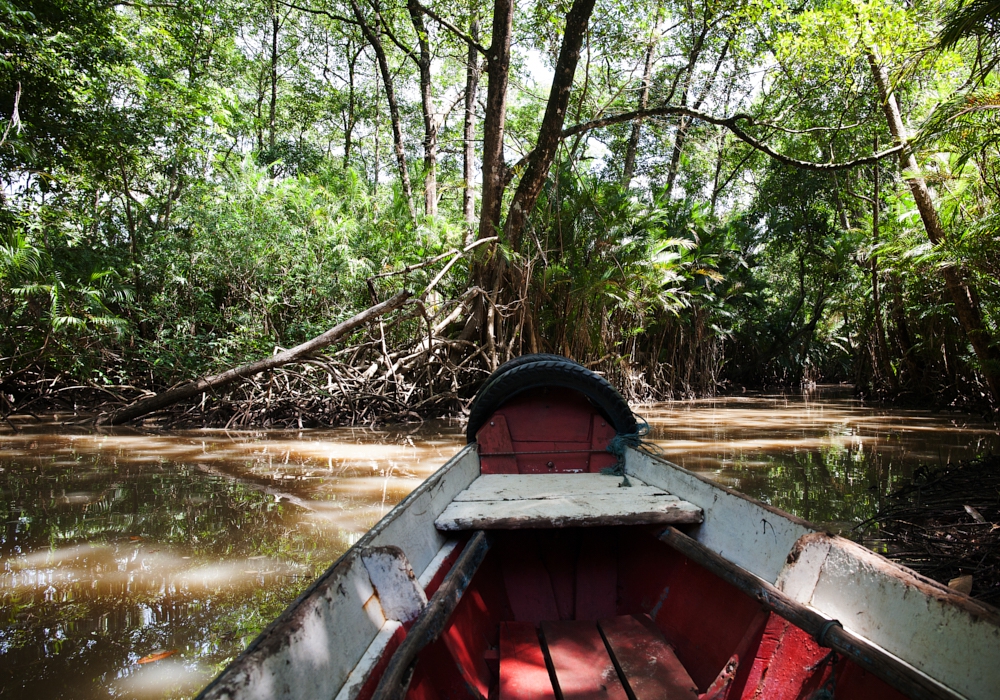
(517,362)
(511,364)
(537,374)
(508,366)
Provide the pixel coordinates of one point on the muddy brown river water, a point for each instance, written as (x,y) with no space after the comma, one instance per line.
(121,546)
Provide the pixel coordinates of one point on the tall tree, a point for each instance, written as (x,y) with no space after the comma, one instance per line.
(966,301)
(372,37)
(494,169)
(469,130)
(424,60)
(628,169)
(550,132)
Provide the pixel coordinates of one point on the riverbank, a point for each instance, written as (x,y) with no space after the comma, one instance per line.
(329,394)
(943,523)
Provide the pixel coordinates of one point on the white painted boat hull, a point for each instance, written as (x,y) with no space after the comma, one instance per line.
(326,644)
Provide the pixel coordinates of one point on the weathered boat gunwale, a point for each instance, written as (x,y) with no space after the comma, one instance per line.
(827,632)
(276,634)
(772,546)
(966,662)
(727,532)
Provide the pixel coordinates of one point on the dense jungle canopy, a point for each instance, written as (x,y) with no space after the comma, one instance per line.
(686,195)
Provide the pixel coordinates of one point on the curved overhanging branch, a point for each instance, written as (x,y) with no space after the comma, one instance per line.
(731,124)
(319,11)
(453,29)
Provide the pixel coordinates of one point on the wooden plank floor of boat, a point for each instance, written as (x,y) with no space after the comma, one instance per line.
(613,659)
(534,501)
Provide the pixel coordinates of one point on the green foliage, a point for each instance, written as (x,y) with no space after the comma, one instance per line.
(188,186)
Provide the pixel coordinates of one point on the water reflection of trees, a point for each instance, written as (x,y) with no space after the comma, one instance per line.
(830,485)
(105,561)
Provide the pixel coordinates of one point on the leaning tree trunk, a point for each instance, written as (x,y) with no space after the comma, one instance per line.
(299,352)
(550,132)
(390,96)
(963,297)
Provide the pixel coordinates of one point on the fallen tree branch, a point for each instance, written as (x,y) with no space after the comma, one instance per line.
(299,352)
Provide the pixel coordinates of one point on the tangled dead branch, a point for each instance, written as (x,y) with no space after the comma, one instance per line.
(399,371)
(945,524)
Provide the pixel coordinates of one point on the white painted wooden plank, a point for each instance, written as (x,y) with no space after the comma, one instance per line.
(945,634)
(619,508)
(309,653)
(515,487)
(399,594)
(356,680)
(745,531)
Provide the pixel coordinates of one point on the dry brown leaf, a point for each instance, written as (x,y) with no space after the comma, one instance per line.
(962,584)
(157,656)
(976,515)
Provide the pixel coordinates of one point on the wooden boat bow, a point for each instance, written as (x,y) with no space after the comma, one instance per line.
(519,570)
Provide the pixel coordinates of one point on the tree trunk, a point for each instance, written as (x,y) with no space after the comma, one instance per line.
(486,273)
(469,133)
(550,132)
(633,141)
(375,132)
(390,95)
(494,169)
(684,123)
(350,118)
(299,352)
(273,107)
(885,367)
(427,108)
(966,309)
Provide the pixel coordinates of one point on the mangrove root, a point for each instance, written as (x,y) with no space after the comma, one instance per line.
(298,353)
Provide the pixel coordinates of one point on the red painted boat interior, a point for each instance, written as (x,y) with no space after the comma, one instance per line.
(545,431)
(607,612)
(544,612)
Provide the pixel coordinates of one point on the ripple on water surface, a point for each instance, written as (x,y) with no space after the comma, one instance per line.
(119,546)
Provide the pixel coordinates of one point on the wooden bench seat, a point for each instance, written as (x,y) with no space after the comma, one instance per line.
(532,501)
(614,659)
